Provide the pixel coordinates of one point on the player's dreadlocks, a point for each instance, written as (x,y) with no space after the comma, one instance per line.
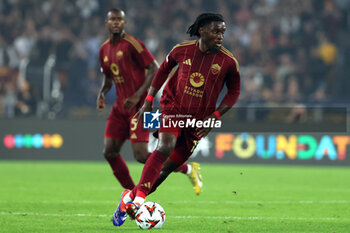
(202,20)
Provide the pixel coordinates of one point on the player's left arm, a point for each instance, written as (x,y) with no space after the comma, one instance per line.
(146,60)
(132,101)
(233,84)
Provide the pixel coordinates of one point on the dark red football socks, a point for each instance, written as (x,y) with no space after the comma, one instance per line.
(183,168)
(151,171)
(121,172)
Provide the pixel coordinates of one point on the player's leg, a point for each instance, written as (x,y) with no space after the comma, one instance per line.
(196,178)
(190,143)
(140,150)
(174,162)
(152,168)
(150,173)
(120,169)
(139,138)
(166,143)
(116,132)
(183,150)
(168,167)
(183,168)
(130,201)
(192,170)
(154,164)
(118,126)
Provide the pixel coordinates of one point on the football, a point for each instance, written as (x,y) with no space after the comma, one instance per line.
(150,215)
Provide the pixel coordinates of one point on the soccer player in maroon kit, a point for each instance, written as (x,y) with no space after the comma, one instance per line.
(124,60)
(204,67)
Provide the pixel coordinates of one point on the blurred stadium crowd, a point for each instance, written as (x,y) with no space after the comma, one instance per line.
(290,51)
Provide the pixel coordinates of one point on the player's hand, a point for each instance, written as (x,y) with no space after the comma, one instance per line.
(203,132)
(100,103)
(131,102)
(146,107)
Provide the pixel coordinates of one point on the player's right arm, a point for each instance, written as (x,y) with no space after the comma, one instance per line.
(107,83)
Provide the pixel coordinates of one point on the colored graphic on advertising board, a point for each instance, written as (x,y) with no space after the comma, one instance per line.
(33,141)
(281,146)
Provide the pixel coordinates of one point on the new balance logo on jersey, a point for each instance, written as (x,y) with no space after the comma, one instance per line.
(151,120)
(187,62)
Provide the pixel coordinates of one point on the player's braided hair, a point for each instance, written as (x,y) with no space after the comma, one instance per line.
(202,20)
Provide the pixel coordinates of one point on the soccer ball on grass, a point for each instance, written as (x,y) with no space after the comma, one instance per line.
(150,215)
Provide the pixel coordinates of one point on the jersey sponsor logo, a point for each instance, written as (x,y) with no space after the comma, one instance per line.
(118,79)
(105,59)
(193,91)
(215,69)
(151,120)
(196,79)
(187,62)
(119,54)
(114,68)
(115,71)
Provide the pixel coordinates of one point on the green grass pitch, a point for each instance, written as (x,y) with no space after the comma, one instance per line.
(82,196)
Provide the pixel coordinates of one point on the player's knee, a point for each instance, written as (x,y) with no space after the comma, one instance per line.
(166,146)
(110,154)
(141,155)
(165,149)
(166,143)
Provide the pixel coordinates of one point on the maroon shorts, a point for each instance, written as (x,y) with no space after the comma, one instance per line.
(121,125)
(187,140)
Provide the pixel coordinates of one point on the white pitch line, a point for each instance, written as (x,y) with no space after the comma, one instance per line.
(266,189)
(52,215)
(265,218)
(185,217)
(301,202)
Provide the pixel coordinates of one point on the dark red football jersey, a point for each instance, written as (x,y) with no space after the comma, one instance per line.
(198,81)
(125,62)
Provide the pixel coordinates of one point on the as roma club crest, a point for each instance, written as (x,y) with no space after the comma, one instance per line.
(119,54)
(215,69)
